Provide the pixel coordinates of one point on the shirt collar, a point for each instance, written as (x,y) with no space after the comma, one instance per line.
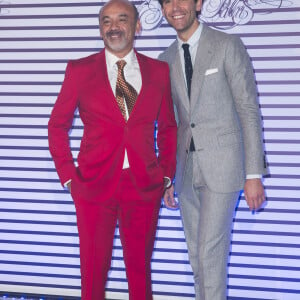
(193,40)
(111,59)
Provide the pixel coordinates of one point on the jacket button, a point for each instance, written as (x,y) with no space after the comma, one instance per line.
(192,125)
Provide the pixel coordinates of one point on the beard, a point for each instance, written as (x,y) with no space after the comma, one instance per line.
(116,44)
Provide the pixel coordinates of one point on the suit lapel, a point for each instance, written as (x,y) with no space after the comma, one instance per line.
(144,69)
(101,71)
(202,62)
(178,76)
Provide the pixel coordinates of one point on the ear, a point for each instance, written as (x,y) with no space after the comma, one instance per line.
(198,5)
(138,27)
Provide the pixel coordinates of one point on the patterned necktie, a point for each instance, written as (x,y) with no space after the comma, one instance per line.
(124,91)
(188,67)
(188,75)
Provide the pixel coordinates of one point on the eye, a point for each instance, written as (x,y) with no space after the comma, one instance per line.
(123,19)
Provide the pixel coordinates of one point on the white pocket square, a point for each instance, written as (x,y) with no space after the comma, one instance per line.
(211,71)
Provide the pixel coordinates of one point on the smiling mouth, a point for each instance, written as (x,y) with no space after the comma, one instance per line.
(178,17)
(114,34)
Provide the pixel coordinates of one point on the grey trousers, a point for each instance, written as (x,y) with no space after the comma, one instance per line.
(207,220)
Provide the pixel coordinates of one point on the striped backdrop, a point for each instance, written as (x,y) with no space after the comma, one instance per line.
(38,236)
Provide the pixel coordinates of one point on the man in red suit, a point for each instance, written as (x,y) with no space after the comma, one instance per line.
(119,178)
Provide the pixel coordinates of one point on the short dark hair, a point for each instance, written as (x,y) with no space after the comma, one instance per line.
(162,1)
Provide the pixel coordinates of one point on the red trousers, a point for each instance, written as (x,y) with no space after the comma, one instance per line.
(96,223)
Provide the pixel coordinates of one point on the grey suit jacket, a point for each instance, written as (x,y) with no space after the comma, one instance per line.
(222,115)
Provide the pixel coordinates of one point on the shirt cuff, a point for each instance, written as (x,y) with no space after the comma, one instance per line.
(67,182)
(254,176)
(167,182)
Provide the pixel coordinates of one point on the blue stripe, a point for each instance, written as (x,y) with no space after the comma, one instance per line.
(28,169)
(56,275)
(283,70)
(173,294)
(261,232)
(48,72)
(285,176)
(63,286)
(272,210)
(47,191)
(49,265)
(37,201)
(29,179)
(169,217)
(36,297)
(271,278)
(241,254)
(39,232)
(28,94)
(55,244)
(243,298)
(57,254)
(273,46)
(170,250)
(275,58)
(33,126)
(177,283)
(38,222)
(276,199)
(32,147)
(31,61)
(257,221)
(264,289)
(281,105)
(170,272)
(30,137)
(168,228)
(266,244)
(25,116)
(25,104)
(170,261)
(31,211)
(32,83)
(265,267)
(290,188)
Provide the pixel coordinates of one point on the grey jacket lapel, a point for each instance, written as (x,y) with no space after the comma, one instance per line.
(202,62)
(178,76)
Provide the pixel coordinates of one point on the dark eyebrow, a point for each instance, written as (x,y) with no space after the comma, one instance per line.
(120,16)
(104,17)
(123,15)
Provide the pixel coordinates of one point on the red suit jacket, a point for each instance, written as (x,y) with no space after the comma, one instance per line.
(106,134)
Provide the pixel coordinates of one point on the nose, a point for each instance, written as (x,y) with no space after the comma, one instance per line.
(114,25)
(175,5)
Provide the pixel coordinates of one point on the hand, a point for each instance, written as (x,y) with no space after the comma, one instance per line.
(69,186)
(254,193)
(169,199)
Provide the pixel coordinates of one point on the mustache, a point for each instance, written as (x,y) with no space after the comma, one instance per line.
(114,32)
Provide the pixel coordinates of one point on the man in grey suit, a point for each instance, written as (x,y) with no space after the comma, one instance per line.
(220,147)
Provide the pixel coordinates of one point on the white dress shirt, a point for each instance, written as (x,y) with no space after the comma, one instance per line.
(193,41)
